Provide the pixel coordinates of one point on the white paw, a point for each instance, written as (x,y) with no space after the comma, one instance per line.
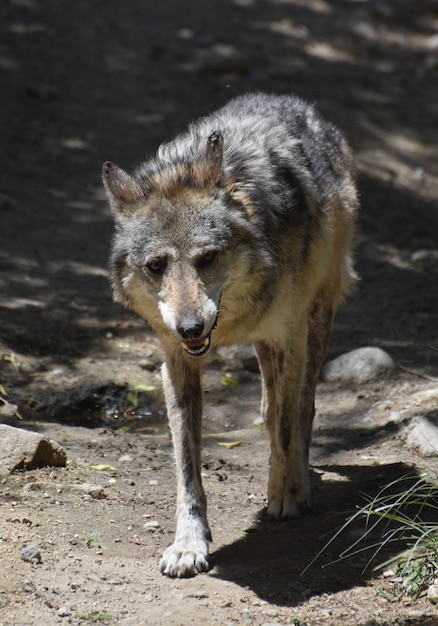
(182,560)
(287,497)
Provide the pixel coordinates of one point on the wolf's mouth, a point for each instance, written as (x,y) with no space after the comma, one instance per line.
(197,347)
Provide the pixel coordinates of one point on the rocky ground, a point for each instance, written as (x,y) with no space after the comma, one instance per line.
(84,82)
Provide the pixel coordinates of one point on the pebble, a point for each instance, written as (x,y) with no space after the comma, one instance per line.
(31,553)
(8,409)
(64,611)
(96,492)
(148,364)
(423,435)
(360,366)
(152,526)
(125,458)
(432,594)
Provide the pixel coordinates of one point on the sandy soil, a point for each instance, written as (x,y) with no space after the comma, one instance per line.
(83,82)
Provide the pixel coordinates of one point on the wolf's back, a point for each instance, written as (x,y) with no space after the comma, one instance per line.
(274,146)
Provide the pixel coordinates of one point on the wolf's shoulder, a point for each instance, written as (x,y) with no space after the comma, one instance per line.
(257,113)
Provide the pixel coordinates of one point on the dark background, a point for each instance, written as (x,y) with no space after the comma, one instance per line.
(83,82)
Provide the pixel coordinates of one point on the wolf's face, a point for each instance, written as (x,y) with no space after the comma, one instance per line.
(173,256)
(169,264)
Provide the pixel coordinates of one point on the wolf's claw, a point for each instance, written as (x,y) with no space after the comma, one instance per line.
(180,561)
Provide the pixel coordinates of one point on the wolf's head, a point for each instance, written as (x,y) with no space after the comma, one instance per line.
(181,241)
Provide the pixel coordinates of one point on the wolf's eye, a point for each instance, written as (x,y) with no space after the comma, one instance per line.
(156,266)
(207,258)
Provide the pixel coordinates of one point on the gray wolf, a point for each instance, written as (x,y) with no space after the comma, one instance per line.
(238,231)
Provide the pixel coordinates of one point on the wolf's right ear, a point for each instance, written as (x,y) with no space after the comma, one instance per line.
(207,170)
(122,190)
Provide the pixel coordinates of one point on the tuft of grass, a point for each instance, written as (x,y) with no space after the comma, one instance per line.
(404,517)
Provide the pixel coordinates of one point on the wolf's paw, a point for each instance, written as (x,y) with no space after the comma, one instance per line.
(287,497)
(182,561)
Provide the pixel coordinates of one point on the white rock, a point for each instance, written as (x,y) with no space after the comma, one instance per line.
(8,409)
(23,449)
(359,366)
(64,611)
(423,435)
(432,594)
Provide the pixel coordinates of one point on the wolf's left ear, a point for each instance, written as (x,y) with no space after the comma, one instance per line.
(207,170)
(122,190)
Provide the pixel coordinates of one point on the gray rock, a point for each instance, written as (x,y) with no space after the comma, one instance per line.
(359,366)
(423,435)
(31,553)
(22,449)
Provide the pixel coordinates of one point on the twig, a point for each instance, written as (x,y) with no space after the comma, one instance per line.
(16,413)
(419,374)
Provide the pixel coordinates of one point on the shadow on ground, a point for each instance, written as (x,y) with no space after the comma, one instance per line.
(273,551)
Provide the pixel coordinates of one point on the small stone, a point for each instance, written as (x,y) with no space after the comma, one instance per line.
(432,594)
(423,436)
(152,526)
(125,458)
(8,409)
(389,573)
(96,492)
(359,366)
(64,611)
(31,553)
(148,364)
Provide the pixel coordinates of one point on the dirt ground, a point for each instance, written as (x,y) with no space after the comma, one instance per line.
(83,82)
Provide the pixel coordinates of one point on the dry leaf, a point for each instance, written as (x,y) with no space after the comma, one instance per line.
(231,444)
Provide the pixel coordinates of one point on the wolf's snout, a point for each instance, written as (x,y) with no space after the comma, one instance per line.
(190,328)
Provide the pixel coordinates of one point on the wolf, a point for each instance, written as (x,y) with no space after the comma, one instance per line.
(237,231)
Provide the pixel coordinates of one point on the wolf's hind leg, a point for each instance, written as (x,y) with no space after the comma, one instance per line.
(320,322)
(283,373)
(188,555)
(288,404)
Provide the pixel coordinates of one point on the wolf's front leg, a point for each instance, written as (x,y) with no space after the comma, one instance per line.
(283,376)
(188,555)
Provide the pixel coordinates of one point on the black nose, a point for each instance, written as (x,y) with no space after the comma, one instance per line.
(190,328)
